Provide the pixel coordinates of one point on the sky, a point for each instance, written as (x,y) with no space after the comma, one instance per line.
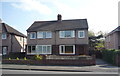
(102,15)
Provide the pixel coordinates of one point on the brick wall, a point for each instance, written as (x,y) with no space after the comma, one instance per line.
(53,61)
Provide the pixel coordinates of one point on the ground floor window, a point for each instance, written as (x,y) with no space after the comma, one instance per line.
(31,49)
(4,50)
(67,49)
(43,49)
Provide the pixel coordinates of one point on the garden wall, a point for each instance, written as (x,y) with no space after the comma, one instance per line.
(90,61)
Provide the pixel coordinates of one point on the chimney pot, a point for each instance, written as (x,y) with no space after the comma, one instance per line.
(59,17)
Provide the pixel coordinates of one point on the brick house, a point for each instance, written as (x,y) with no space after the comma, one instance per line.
(58,37)
(112,40)
(12,40)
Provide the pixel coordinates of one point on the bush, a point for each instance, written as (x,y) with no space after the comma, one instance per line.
(38,57)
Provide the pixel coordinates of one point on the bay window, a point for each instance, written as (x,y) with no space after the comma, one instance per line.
(67,49)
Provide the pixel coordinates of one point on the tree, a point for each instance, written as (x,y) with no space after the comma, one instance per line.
(96,42)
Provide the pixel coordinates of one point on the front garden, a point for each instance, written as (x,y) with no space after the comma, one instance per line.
(78,60)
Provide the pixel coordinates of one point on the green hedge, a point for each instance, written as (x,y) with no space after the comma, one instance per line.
(110,55)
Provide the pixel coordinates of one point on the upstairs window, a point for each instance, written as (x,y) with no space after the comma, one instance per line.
(67,34)
(44,34)
(4,36)
(81,34)
(32,35)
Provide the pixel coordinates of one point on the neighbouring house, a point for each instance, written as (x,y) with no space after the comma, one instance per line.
(112,40)
(58,37)
(12,40)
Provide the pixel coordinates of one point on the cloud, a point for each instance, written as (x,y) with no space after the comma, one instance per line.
(33,5)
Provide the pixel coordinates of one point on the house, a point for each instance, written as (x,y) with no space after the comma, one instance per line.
(112,40)
(12,40)
(58,37)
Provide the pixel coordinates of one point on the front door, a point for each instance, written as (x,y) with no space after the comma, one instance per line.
(4,50)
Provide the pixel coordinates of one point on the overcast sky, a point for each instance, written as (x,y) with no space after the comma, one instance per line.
(102,15)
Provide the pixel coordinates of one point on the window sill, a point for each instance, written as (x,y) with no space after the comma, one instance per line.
(81,37)
(68,38)
(67,53)
(38,53)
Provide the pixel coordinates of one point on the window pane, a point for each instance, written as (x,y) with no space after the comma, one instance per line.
(33,48)
(73,34)
(67,33)
(4,50)
(44,49)
(4,36)
(48,49)
(39,49)
(68,49)
(62,34)
(81,34)
(32,35)
(29,49)
(39,34)
(48,34)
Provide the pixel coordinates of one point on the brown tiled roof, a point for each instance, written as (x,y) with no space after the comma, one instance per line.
(11,30)
(58,25)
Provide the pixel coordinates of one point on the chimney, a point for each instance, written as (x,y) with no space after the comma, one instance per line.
(59,17)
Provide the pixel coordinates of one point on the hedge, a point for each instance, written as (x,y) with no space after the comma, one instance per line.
(110,55)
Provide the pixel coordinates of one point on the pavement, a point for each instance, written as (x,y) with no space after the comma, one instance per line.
(101,66)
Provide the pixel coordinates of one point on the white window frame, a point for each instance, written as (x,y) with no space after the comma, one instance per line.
(60,34)
(4,52)
(31,36)
(5,36)
(49,33)
(83,34)
(64,49)
(44,34)
(42,49)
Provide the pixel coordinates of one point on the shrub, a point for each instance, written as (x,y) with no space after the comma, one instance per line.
(9,58)
(25,58)
(38,57)
(17,58)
